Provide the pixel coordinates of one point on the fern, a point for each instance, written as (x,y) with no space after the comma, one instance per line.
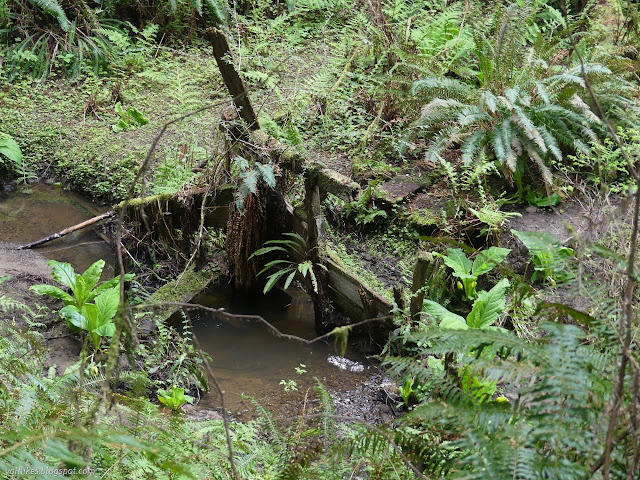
(561,388)
(52,7)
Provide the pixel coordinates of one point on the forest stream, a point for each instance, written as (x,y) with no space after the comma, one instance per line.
(249,362)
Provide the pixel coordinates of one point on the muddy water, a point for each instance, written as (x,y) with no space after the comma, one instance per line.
(247,358)
(26,217)
(250,360)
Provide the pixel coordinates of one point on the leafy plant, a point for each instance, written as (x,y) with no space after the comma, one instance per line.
(294,245)
(548,256)
(249,176)
(516,106)
(485,311)
(130,119)
(365,208)
(174,398)
(95,318)
(10,150)
(606,169)
(83,287)
(469,272)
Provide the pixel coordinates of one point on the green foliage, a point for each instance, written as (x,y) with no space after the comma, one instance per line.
(175,171)
(560,387)
(170,358)
(548,254)
(365,209)
(83,287)
(468,272)
(10,150)
(249,176)
(174,398)
(130,119)
(515,106)
(606,168)
(485,311)
(95,318)
(294,245)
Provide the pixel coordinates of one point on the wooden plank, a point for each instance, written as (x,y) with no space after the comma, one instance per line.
(347,291)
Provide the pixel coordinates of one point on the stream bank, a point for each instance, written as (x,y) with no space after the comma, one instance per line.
(247,358)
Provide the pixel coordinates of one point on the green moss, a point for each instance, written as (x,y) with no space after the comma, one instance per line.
(144,201)
(351,264)
(424,217)
(182,290)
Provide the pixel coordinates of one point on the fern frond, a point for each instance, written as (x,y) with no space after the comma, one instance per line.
(52,7)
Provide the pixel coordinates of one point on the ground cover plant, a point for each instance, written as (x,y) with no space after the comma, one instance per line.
(492,108)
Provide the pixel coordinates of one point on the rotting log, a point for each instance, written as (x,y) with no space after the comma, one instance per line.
(327,179)
(66,231)
(192,283)
(357,300)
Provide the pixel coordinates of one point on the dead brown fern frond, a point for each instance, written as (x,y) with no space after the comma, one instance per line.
(246,232)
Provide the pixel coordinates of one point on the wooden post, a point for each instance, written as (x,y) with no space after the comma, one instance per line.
(232,80)
(316,244)
(419,279)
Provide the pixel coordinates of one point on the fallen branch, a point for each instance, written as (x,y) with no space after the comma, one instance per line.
(64,232)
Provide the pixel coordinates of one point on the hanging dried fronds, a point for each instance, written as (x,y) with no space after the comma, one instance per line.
(245,234)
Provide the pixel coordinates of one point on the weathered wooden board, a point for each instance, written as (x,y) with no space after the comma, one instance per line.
(352,296)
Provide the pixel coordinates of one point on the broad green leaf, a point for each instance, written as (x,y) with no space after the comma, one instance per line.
(488,259)
(82,291)
(96,339)
(537,241)
(106,330)
(53,291)
(74,317)
(91,312)
(451,323)
(272,264)
(109,284)
(107,303)
(92,275)
(439,312)
(137,116)
(63,273)
(488,305)
(10,149)
(265,250)
(296,236)
(457,261)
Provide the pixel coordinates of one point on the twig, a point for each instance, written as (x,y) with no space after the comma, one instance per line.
(232,316)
